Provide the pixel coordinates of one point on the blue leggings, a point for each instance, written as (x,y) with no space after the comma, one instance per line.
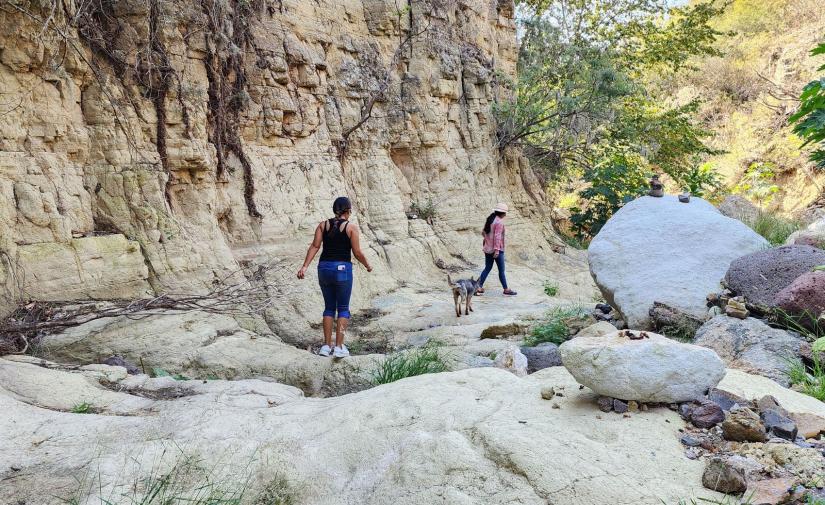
(335,279)
(488,266)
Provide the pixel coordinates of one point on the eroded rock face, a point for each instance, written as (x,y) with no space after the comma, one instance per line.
(661,250)
(652,369)
(73,171)
(760,276)
(751,345)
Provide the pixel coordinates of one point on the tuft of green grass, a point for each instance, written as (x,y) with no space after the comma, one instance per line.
(409,363)
(575,242)
(160,372)
(808,381)
(425,211)
(555,327)
(551,288)
(82,408)
(775,228)
(681,330)
(276,492)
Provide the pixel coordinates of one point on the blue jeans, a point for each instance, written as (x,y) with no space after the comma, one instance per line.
(488,266)
(335,279)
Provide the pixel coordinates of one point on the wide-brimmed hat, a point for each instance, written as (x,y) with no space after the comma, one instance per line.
(501,207)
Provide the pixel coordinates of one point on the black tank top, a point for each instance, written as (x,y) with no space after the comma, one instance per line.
(337,244)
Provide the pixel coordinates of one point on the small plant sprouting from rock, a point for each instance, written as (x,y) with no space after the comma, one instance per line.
(403,364)
(82,408)
(551,288)
(425,211)
(556,328)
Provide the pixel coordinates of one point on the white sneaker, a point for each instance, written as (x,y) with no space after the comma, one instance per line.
(340,352)
(325,350)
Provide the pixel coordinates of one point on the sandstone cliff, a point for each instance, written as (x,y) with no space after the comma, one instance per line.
(149,146)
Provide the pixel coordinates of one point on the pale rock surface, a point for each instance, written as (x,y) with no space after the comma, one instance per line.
(596,330)
(199,344)
(474,436)
(512,360)
(661,250)
(754,387)
(751,345)
(654,369)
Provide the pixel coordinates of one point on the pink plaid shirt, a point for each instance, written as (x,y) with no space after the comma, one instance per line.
(494,241)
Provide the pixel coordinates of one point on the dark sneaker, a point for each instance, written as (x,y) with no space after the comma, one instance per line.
(510,292)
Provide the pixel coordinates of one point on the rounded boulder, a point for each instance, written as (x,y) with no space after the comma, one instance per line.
(646,367)
(662,250)
(761,275)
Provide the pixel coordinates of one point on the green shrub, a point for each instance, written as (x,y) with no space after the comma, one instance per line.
(809,381)
(776,229)
(551,288)
(403,364)
(809,120)
(556,327)
(425,211)
(82,408)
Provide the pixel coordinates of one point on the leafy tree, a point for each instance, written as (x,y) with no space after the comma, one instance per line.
(581,108)
(809,120)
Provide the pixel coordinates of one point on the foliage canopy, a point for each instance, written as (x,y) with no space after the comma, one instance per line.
(583,111)
(809,120)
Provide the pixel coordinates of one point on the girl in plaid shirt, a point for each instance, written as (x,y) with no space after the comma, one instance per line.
(493,246)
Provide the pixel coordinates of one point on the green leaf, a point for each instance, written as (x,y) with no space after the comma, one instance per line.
(819,345)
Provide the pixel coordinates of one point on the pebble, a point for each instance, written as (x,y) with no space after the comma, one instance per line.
(690,441)
(547,393)
(556,406)
(619,406)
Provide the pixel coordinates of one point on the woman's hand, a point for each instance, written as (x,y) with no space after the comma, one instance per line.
(369,268)
(302,272)
(495,254)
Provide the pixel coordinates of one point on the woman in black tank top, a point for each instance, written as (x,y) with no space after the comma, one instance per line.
(338,240)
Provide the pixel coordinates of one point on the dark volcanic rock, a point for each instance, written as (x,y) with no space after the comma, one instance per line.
(804,298)
(542,356)
(760,276)
(707,415)
(779,424)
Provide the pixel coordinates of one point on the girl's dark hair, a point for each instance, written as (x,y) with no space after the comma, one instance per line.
(341,205)
(489,223)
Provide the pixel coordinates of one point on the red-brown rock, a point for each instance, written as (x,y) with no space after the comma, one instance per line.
(804,297)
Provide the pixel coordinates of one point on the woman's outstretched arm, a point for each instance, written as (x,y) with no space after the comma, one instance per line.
(355,238)
(314,247)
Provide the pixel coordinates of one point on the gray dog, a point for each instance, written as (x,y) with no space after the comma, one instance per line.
(463,291)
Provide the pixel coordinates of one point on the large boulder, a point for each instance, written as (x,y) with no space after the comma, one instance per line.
(661,250)
(813,235)
(751,345)
(647,367)
(804,297)
(739,207)
(761,275)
